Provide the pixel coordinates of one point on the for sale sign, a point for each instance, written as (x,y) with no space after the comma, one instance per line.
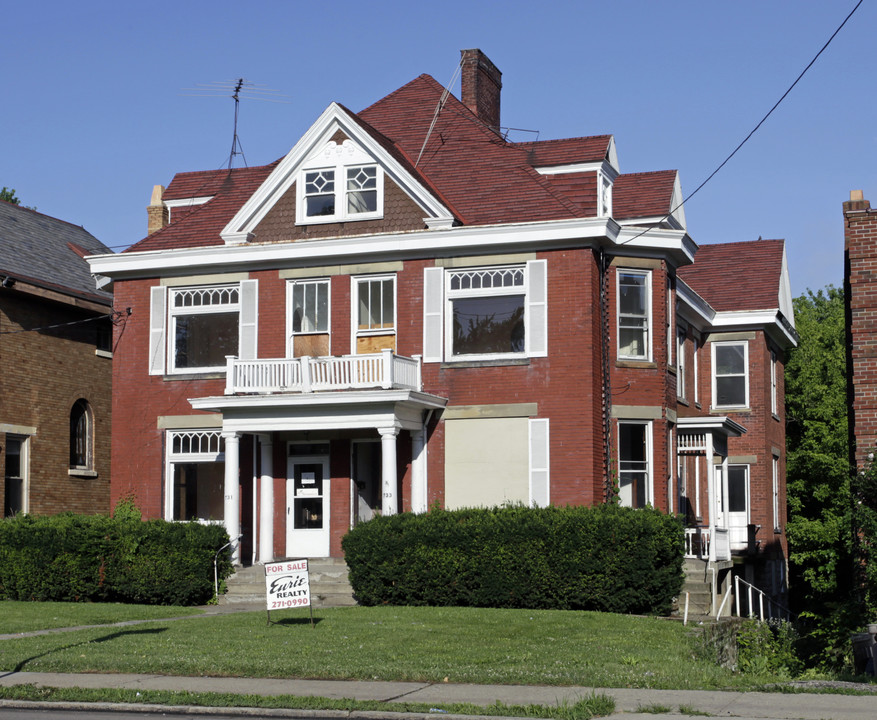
(287,584)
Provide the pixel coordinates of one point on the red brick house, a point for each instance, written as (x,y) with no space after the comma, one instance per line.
(409,309)
(55,367)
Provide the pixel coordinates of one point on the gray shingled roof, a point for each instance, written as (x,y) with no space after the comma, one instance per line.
(36,248)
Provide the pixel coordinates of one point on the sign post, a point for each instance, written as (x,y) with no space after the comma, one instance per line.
(287,585)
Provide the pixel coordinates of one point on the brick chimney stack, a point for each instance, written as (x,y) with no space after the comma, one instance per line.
(157,212)
(480,86)
(860,290)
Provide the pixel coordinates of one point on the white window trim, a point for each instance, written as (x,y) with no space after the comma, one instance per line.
(355,332)
(774,407)
(670,322)
(650,457)
(172,458)
(727,343)
(86,470)
(721,479)
(338,158)
(290,333)
(695,346)
(647,274)
(24,467)
(775,488)
(681,364)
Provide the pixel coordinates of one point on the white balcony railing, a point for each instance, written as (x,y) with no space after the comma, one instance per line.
(698,540)
(383,370)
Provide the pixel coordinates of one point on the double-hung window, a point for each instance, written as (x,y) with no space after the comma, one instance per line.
(308,317)
(774,407)
(81,437)
(195,476)
(374,312)
(309,304)
(634,464)
(681,365)
(339,183)
(731,374)
(634,315)
(194,328)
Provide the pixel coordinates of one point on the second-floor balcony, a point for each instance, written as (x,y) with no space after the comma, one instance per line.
(384,370)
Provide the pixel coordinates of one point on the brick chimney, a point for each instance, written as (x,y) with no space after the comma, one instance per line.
(157,212)
(860,290)
(480,86)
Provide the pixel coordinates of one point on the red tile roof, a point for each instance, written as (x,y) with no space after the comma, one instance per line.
(201,226)
(639,195)
(738,275)
(479,176)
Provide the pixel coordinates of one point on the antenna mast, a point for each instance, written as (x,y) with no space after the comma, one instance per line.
(235,142)
(239,88)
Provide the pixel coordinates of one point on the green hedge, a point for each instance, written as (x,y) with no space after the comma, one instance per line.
(605,558)
(93,558)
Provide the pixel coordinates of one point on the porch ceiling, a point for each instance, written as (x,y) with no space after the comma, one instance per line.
(353,410)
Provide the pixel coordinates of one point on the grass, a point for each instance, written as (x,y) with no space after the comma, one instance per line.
(464,645)
(589,707)
(18,617)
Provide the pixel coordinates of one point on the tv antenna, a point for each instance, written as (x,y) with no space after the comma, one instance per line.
(239,88)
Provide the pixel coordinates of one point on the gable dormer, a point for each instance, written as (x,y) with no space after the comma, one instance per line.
(341,178)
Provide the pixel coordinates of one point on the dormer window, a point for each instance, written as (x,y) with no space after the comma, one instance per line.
(340,184)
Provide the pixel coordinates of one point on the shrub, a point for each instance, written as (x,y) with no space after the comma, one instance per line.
(767,648)
(599,558)
(71,557)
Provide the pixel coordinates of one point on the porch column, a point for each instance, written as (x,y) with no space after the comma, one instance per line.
(266,501)
(725,501)
(232,511)
(711,494)
(418,471)
(389,479)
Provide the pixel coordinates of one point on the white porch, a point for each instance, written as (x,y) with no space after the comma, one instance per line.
(269,413)
(706,439)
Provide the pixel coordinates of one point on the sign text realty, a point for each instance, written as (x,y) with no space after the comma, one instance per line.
(287,584)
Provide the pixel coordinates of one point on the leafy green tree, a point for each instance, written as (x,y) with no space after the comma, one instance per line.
(8,194)
(818,482)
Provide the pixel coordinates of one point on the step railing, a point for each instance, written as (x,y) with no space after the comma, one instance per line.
(384,370)
(754,596)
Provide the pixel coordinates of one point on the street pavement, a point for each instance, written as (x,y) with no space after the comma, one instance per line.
(632,704)
(629,702)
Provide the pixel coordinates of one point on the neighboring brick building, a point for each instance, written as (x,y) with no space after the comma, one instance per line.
(419,313)
(55,368)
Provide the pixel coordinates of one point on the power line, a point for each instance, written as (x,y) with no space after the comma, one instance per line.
(114,316)
(752,132)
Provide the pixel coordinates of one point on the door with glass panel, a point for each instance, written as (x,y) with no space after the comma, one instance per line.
(307,500)
(737,517)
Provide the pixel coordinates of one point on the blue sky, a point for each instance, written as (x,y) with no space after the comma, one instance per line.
(95,108)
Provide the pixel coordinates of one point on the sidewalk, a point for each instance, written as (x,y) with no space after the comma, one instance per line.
(752,705)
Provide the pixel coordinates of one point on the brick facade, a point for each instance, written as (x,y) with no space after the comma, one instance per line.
(43,374)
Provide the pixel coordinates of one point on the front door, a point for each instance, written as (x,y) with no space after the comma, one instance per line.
(307,506)
(737,520)
(366,465)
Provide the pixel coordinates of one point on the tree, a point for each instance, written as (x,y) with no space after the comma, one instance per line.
(8,194)
(818,480)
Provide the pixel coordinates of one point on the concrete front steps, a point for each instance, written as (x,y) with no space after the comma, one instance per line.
(327,576)
(698,588)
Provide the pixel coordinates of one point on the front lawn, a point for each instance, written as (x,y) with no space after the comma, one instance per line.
(461,645)
(18,617)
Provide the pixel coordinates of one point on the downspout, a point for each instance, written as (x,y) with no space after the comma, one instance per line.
(608,485)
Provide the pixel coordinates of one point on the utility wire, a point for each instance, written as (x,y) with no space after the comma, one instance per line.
(114,316)
(752,132)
